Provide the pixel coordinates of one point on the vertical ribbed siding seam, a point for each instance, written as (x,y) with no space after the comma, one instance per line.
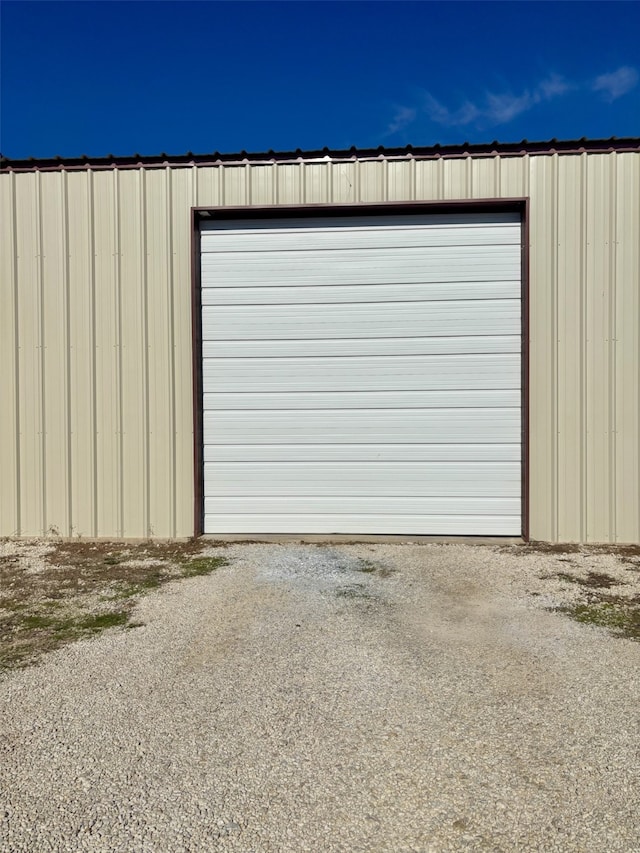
(555,417)
(67,349)
(195,361)
(94,390)
(583,353)
(117,233)
(172,349)
(611,397)
(248,184)
(145,351)
(583,497)
(16,321)
(438,183)
(584,184)
(41,334)
(525,193)
(413,180)
(638,361)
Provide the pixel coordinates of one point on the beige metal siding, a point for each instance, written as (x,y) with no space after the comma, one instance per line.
(95,342)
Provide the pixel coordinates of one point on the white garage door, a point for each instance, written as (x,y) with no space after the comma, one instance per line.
(362,375)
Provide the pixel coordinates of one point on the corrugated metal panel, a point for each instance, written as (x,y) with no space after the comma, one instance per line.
(10,498)
(119,372)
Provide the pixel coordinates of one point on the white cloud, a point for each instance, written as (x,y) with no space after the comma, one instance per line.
(403,117)
(500,109)
(496,107)
(437,112)
(553,85)
(617,83)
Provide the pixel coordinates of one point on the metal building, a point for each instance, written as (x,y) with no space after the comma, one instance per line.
(434,341)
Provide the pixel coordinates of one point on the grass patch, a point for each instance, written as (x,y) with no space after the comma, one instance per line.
(623,619)
(201,566)
(102,621)
(135,589)
(38,633)
(80,589)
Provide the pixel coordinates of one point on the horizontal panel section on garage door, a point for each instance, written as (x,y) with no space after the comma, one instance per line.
(449,345)
(388,373)
(370,320)
(336,294)
(364,426)
(396,479)
(361,452)
(362,375)
(404,266)
(338,521)
(391,232)
(505,399)
(376,505)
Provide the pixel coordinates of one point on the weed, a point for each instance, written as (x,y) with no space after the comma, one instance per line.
(132,590)
(622,619)
(368,567)
(76,624)
(354,591)
(201,566)
(36,633)
(102,621)
(563,576)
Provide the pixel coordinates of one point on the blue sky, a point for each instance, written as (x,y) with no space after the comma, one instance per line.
(122,77)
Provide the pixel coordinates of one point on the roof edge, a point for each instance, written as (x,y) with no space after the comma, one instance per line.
(243,158)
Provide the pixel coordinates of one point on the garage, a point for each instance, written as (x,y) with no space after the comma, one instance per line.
(362,372)
(438,341)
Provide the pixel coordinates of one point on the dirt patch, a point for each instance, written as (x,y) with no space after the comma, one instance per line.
(622,552)
(368,567)
(54,593)
(532,547)
(594,580)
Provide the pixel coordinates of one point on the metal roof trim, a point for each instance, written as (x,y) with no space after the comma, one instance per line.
(408,152)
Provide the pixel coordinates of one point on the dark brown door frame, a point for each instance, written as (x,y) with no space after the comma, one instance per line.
(212,214)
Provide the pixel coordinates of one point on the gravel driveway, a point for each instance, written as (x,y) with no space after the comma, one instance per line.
(335,698)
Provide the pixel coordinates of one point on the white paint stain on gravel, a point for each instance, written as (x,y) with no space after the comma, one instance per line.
(293,702)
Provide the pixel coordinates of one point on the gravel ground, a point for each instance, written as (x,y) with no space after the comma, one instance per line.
(336,698)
